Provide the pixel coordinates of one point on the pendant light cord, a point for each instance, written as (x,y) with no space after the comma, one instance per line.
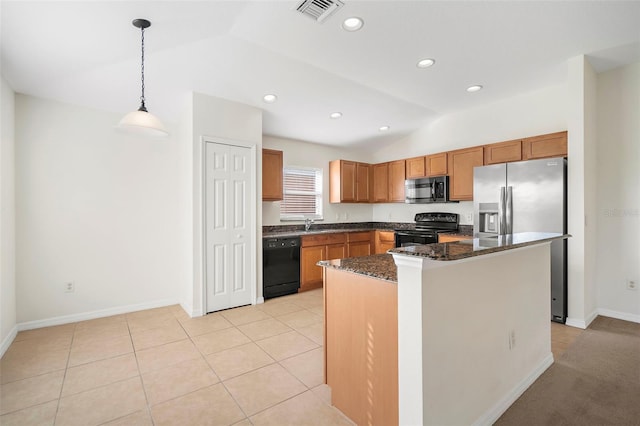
(142,105)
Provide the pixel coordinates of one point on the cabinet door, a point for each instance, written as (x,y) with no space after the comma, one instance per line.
(336,251)
(363,181)
(436,164)
(359,248)
(415,168)
(348,181)
(396,181)
(503,152)
(271,175)
(450,238)
(310,273)
(380,190)
(461,164)
(545,146)
(385,240)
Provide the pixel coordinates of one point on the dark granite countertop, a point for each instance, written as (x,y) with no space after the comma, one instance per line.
(326,228)
(477,246)
(382,266)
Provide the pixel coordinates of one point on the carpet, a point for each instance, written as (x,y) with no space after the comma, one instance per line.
(595,382)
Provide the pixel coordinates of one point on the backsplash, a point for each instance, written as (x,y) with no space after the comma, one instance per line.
(269,229)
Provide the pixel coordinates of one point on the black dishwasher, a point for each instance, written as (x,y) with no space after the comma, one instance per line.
(280,266)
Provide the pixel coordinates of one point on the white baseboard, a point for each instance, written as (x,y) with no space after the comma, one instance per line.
(619,315)
(187,308)
(494,413)
(574,322)
(260,300)
(8,340)
(583,324)
(66,319)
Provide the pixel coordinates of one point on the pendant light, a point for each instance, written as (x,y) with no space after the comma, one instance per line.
(141,121)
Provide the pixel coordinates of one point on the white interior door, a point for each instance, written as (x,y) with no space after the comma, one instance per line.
(228,241)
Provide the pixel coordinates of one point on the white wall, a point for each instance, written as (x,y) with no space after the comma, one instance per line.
(581,173)
(305,154)
(220,119)
(7,218)
(617,188)
(95,207)
(530,114)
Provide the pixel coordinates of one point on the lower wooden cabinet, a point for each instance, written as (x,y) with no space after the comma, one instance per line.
(310,273)
(449,238)
(359,244)
(384,240)
(315,248)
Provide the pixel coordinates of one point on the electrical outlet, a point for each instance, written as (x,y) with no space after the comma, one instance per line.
(69,287)
(632,285)
(470,218)
(512,339)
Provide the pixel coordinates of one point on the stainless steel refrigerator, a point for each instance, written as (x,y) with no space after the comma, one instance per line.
(526,196)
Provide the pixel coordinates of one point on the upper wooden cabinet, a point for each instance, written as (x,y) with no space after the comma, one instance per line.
(349,182)
(503,152)
(396,180)
(271,175)
(545,146)
(415,168)
(363,182)
(436,164)
(380,190)
(461,163)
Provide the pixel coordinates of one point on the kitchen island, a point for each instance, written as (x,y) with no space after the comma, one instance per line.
(445,333)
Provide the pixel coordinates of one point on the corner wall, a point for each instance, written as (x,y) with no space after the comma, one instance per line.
(306,154)
(222,119)
(7,218)
(529,114)
(581,180)
(617,188)
(95,207)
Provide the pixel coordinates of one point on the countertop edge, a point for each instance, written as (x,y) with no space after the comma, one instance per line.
(441,251)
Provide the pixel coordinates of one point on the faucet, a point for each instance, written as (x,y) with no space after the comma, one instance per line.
(307,224)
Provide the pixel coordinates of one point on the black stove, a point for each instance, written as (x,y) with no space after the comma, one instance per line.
(428,225)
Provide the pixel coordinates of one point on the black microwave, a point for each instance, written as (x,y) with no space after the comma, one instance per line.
(427,190)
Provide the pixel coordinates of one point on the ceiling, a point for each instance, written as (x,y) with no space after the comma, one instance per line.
(88,53)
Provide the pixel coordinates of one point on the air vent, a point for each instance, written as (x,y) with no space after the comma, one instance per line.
(319,10)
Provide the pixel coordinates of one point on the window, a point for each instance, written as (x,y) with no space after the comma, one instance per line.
(302,194)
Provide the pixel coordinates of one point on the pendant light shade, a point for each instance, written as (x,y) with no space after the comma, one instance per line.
(141,121)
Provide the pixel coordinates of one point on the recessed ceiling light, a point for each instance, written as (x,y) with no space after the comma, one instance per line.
(352,24)
(475,88)
(270,98)
(335,115)
(425,63)
(384,128)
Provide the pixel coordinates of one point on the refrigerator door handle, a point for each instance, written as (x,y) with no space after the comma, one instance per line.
(502,222)
(509,208)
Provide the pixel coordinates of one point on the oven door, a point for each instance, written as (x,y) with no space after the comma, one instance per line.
(404,239)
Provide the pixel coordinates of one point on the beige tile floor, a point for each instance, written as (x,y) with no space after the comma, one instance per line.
(260,365)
